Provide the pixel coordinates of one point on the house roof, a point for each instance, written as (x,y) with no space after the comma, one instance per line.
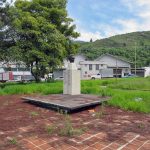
(116,57)
(91,62)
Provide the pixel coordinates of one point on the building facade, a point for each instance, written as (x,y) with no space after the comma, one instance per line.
(141,72)
(19,70)
(89,68)
(119,66)
(107,65)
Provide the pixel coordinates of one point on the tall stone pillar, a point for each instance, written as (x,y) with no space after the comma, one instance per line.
(72,80)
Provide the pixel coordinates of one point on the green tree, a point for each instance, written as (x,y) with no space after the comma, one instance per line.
(44,34)
(91,40)
(6,33)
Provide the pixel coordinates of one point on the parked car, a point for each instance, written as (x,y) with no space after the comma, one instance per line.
(130,76)
(97,76)
(60,78)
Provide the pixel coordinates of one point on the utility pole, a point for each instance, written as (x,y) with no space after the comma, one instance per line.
(135,56)
(116,70)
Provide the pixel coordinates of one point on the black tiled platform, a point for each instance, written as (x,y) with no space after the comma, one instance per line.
(67,103)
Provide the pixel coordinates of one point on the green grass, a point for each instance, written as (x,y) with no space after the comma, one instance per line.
(33,113)
(13,141)
(30,88)
(126,99)
(128,93)
(132,84)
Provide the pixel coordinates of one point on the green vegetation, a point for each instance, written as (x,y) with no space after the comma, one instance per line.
(141,126)
(29,88)
(13,141)
(51,129)
(100,112)
(38,33)
(127,93)
(33,113)
(68,129)
(121,45)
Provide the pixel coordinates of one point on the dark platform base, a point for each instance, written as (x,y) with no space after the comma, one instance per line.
(66,103)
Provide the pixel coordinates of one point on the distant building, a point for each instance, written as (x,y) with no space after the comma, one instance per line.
(19,70)
(89,68)
(107,65)
(119,66)
(141,72)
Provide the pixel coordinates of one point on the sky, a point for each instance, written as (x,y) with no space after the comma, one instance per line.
(99,19)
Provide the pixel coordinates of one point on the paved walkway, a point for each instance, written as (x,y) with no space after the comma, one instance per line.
(116,129)
(130,141)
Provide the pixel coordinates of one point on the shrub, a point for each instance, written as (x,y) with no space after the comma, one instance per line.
(50,129)
(68,129)
(13,141)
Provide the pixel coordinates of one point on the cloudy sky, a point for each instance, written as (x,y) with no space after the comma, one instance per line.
(98,19)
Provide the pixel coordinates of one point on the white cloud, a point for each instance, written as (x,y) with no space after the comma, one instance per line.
(138,21)
(128,25)
(86,35)
(145,14)
(137,6)
(141,9)
(143,2)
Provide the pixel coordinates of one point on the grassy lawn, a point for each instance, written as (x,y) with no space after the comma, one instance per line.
(128,93)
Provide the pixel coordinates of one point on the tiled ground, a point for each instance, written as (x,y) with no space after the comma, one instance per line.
(90,140)
(98,141)
(21,129)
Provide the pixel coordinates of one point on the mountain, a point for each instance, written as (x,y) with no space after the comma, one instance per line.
(123,46)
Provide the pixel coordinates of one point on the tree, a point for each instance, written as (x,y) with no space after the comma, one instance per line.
(44,34)
(91,40)
(3,30)
(7,34)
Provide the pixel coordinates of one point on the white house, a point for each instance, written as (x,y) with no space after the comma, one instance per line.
(120,66)
(107,65)
(89,68)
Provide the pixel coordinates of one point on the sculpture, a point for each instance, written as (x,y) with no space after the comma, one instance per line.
(71,58)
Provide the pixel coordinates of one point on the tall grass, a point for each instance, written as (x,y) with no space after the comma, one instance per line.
(128,100)
(30,88)
(132,84)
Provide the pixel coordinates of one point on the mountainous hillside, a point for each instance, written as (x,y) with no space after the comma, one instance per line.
(123,45)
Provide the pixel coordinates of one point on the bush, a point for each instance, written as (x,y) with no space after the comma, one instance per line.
(50,129)
(2,85)
(68,129)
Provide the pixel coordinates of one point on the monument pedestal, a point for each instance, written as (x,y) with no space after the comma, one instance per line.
(72,80)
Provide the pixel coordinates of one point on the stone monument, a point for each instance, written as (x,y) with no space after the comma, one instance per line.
(71,78)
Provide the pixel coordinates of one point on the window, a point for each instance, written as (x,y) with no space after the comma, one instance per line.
(97,67)
(85,72)
(102,65)
(90,66)
(23,69)
(85,65)
(13,69)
